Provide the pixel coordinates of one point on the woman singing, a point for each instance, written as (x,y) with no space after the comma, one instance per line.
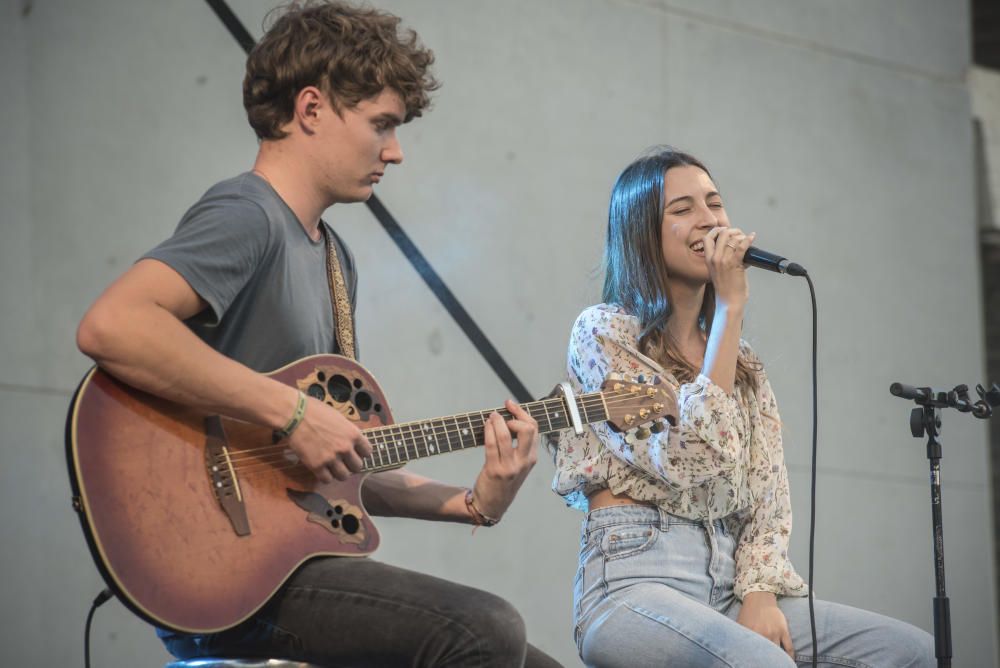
(684,552)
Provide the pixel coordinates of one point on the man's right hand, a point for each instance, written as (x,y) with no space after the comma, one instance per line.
(328,444)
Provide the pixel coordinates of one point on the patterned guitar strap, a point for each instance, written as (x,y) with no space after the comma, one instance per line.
(343,317)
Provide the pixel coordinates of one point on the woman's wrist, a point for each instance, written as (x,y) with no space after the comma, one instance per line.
(731,309)
(760,598)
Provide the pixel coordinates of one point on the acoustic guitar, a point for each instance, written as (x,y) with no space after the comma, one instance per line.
(195,520)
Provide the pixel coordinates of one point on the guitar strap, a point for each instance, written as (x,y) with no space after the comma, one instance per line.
(343,317)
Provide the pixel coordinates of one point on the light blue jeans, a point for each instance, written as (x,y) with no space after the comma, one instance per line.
(654,589)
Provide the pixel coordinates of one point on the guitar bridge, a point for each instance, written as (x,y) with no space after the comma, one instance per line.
(225,484)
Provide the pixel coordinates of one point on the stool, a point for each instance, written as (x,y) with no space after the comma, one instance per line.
(217,662)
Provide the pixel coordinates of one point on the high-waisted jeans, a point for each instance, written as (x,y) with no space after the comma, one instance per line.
(654,589)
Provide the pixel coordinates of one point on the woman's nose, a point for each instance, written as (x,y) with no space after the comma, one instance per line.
(708,219)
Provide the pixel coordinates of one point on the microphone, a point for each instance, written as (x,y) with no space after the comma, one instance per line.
(756,257)
(918,394)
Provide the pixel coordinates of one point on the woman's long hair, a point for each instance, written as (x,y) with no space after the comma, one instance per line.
(635,272)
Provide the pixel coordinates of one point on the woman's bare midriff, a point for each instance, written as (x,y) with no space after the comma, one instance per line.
(603,498)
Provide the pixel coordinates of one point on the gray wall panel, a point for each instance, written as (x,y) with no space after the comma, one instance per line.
(874,551)
(16,298)
(906,35)
(858,173)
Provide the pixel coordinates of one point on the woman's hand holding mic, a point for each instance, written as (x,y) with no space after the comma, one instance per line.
(724,251)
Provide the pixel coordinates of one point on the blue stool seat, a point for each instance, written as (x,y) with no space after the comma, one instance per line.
(207,662)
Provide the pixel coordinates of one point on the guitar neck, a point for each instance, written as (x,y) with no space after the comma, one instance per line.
(397,444)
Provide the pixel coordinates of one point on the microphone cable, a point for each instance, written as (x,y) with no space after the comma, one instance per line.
(100,600)
(772,262)
(812,489)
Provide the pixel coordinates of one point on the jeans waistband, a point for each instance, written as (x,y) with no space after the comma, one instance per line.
(639,514)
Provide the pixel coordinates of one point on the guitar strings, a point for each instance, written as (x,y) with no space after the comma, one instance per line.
(538,406)
(396,435)
(269,466)
(395,431)
(415,437)
(411,443)
(391,437)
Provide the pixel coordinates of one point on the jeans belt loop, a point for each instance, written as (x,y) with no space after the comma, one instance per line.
(664,519)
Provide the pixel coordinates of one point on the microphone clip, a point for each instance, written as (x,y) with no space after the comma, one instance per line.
(927,418)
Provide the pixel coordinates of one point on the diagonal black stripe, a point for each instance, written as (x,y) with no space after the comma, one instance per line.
(449,301)
(233,24)
(402,240)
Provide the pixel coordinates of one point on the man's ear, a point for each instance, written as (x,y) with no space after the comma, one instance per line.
(310,102)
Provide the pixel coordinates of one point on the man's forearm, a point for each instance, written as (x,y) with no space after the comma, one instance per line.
(151,349)
(399,493)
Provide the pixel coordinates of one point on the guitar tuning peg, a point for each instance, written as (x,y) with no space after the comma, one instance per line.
(641,378)
(657,426)
(642,433)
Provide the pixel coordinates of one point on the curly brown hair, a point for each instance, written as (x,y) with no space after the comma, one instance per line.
(351,53)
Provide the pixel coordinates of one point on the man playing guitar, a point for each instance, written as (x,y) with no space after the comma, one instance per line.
(250,282)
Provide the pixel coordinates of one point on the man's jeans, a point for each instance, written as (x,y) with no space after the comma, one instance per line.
(657,590)
(359,612)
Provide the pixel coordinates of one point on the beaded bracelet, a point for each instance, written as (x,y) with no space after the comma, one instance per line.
(293,424)
(478,517)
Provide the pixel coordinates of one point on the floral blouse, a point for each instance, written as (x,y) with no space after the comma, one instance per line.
(723,459)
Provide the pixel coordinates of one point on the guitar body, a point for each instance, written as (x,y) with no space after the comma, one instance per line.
(196,520)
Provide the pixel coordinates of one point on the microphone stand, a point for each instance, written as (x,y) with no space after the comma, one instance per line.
(926,419)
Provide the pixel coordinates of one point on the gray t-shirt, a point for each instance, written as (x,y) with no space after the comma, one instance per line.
(265,281)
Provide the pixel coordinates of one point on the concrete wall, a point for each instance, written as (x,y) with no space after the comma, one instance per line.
(984,94)
(839,131)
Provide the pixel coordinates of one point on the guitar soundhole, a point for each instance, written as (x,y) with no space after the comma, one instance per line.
(343,390)
(351,524)
(339,388)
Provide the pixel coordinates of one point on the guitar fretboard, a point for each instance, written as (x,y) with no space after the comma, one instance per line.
(397,444)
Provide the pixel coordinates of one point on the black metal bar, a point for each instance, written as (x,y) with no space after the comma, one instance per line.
(233,24)
(408,248)
(449,301)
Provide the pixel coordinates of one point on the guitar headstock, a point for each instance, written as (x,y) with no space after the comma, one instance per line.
(637,403)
